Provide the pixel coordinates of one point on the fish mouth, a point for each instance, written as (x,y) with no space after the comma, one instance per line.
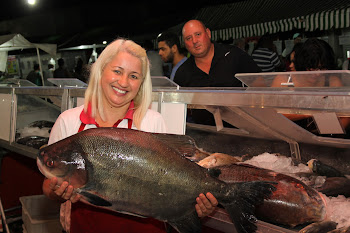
(323,211)
(40,165)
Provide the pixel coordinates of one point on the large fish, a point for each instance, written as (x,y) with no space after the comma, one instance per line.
(136,172)
(292,203)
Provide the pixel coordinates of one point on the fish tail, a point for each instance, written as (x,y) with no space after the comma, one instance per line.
(188,223)
(240,202)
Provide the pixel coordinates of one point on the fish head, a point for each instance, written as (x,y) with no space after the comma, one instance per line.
(66,161)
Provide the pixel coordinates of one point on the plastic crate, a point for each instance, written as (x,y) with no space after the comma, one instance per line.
(40,214)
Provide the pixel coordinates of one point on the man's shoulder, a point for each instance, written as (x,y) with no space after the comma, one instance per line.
(184,72)
(187,64)
(225,49)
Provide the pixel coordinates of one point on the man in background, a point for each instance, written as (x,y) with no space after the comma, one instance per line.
(266,57)
(34,75)
(211,64)
(154,59)
(171,52)
(61,71)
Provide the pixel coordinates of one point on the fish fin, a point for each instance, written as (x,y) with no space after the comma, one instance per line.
(189,223)
(184,144)
(214,172)
(241,208)
(94,199)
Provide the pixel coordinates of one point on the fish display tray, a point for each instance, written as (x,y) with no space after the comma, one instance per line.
(40,214)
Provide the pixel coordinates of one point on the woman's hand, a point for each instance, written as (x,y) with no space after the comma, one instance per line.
(205,204)
(65,213)
(62,193)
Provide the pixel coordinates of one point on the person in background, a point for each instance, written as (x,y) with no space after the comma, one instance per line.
(50,69)
(313,55)
(79,71)
(211,64)
(118,95)
(156,63)
(296,48)
(170,51)
(265,56)
(296,39)
(61,71)
(240,43)
(34,75)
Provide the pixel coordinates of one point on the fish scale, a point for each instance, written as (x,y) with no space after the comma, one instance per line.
(135,172)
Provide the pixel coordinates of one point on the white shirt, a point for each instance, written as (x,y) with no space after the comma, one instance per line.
(68,123)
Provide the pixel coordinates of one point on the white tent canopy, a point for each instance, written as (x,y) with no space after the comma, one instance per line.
(18,42)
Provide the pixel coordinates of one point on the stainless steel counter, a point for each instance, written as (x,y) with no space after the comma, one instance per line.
(255,112)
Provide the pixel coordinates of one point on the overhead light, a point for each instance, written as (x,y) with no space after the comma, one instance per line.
(31,2)
(104,42)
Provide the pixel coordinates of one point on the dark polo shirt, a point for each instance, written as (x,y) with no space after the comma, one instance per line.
(227,61)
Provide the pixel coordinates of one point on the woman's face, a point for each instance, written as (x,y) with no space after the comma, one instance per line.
(291,66)
(121,80)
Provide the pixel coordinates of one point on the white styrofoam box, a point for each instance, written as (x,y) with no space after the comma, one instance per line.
(40,214)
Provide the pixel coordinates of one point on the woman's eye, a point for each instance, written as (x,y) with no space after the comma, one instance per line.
(117,71)
(134,77)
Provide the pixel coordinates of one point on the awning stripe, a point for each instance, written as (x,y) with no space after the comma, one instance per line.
(325,20)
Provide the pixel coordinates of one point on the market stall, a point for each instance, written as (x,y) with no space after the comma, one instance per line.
(13,42)
(256,112)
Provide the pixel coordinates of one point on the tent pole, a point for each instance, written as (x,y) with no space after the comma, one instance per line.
(41,69)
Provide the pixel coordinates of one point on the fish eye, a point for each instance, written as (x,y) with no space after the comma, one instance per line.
(50,163)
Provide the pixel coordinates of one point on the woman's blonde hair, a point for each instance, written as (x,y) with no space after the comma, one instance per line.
(94,91)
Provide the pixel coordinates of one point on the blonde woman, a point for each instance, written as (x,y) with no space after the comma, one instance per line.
(118,95)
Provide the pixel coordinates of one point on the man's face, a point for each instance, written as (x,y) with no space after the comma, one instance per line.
(165,52)
(197,38)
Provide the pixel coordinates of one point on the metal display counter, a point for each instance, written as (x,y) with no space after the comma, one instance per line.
(255,112)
